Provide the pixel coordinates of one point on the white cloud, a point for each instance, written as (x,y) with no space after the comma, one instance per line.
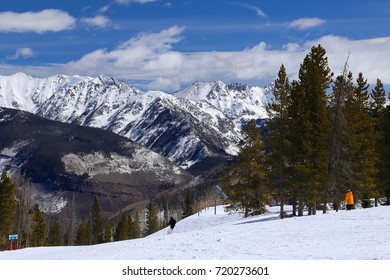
(23,53)
(39,22)
(98,21)
(306,23)
(151,59)
(254,8)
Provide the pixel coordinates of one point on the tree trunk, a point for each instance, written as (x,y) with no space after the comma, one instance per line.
(300,208)
(281,207)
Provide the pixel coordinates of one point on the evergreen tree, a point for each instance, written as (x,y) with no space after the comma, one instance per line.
(130,227)
(362,142)
(339,166)
(298,167)
(82,237)
(107,231)
(384,156)
(54,237)
(136,231)
(378,96)
(277,135)
(152,224)
(188,206)
(39,230)
(315,78)
(7,206)
(122,229)
(244,181)
(97,223)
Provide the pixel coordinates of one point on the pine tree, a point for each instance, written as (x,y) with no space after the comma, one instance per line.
(122,229)
(39,230)
(7,206)
(244,181)
(315,78)
(298,167)
(97,223)
(188,206)
(309,128)
(130,227)
(82,237)
(152,224)
(362,142)
(382,127)
(54,237)
(277,135)
(107,231)
(384,155)
(339,170)
(136,231)
(378,96)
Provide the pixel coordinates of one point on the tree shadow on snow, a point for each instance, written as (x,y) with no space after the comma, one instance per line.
(260,220)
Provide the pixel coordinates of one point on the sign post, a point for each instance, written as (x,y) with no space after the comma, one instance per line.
(12,238)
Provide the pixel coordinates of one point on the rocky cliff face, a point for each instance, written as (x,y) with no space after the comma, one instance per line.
(64,159)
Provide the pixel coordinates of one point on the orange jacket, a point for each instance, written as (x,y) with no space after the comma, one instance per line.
(348,198)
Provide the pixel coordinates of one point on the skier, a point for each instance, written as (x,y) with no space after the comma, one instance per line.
(348,200)
(171,223)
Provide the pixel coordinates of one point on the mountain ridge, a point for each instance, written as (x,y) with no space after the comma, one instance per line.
(187,130)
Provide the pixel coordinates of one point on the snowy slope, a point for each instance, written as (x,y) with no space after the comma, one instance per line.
(360,234)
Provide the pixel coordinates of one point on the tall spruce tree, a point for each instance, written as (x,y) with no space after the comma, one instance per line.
(378,111)
(152,224)
(107,231)
(136,232)
(39,230)
(277,135)
(7,206)
(122,229)
(384,156)
(315,78)
(96,222)
(362,142)
(244,181)
(378,96)
(83,233)
(339,167)
(54,237)
(188,206)
(298,168)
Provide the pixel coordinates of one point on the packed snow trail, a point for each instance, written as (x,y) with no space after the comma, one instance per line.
(361,234)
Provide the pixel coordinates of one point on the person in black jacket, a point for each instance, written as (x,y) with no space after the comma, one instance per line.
(171,223)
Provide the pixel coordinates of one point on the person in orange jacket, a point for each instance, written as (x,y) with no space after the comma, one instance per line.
(348,200)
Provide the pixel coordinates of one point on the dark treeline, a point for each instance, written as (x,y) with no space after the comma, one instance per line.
(19,215)
(325,134)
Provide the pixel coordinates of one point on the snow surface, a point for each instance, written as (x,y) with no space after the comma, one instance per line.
(361,234)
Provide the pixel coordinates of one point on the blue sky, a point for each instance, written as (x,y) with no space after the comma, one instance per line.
(168,44)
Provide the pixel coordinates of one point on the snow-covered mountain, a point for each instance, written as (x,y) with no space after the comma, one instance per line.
(196,127)
(237,101)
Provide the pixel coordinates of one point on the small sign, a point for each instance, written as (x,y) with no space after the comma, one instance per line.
(13,237)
